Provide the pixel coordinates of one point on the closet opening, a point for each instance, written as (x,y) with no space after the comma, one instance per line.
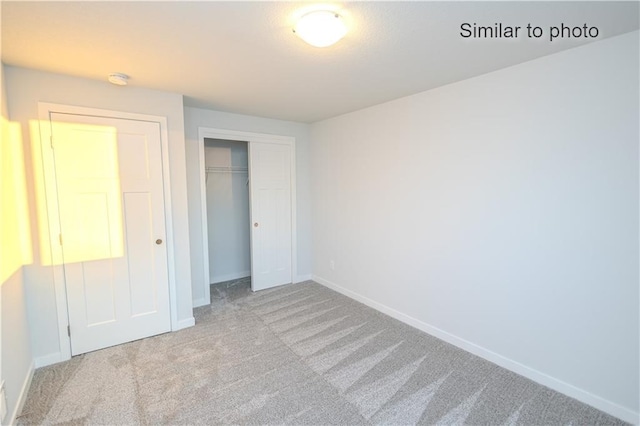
(228,216)
(249,228)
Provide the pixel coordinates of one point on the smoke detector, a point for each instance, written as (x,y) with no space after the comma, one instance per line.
(118,79)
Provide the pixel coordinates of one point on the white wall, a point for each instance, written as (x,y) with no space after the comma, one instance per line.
(16,360)
(500,213)
(228,210)
(196,117)
(25,89)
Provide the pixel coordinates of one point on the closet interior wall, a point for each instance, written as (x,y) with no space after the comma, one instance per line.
(228,224)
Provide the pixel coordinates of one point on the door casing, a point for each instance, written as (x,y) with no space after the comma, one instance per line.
(44,111)
(249,137)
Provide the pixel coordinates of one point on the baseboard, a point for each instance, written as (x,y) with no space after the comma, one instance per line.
(528,372)
(229,277)
(49,359)
(22,398)
(201,302)
(185,323)
(302,278)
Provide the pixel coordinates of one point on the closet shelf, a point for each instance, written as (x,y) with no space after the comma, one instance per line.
(222,169)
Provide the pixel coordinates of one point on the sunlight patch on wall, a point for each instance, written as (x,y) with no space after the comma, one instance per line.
(15,249)
(78,192)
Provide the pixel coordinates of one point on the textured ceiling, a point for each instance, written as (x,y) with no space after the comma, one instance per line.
(242,57)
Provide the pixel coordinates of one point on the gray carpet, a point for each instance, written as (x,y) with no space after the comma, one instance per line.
(298,354)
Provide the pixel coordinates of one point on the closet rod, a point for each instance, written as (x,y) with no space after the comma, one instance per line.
(226,170)
(220,169)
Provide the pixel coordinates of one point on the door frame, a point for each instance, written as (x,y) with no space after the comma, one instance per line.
(249,138)
(53,219)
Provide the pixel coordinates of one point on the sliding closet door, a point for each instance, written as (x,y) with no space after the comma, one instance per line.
(270,189)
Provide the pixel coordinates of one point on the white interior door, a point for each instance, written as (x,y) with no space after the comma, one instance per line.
(111,209)
(270,189)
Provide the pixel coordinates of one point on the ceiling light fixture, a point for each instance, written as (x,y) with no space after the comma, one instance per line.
(118,79)
(320,28)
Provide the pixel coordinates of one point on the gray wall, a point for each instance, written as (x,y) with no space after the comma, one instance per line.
(196,117)
(16,360)
(499,213)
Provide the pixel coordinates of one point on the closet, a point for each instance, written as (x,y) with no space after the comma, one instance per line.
(227,203)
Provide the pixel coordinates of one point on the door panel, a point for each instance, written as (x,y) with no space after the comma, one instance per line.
(143,297)
(98,289)
(110,197)
(270,180)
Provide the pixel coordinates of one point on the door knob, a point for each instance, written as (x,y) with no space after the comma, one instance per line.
(255,225)
(158,241)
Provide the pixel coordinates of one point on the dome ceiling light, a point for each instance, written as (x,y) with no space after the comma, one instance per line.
(320,28)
